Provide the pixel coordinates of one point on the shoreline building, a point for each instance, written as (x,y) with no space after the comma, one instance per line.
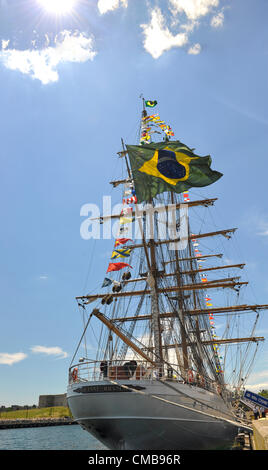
(46,401)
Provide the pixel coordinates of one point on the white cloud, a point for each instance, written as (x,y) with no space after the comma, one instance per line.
(260,222)
(195,49)
(193,9)
(260,385)
(5,43)
(262,225)
(265,233)
(158,38)
(42,64)
(190,26)
(9,359)
(259,375)
(257,387)
(158,32)
(50,351)
(43,278)
(258,381)
(108,5)
(217,20)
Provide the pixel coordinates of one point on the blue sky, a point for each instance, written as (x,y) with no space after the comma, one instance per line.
(69,90)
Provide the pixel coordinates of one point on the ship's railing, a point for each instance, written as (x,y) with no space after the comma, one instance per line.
(94,371)
(112,370)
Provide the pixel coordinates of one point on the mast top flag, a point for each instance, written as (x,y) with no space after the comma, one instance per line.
(150,104)
(168,165)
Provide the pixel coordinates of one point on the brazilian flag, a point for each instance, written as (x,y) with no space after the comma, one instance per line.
(168,166)
(150,104)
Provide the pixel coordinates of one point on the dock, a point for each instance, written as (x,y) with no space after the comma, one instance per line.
(260,434)
(34,423)
(255,440)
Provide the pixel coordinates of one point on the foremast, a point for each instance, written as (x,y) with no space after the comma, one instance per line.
(152,275)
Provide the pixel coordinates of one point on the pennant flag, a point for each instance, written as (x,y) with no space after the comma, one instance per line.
(150,104)
(125,220)
(107,282)
(122,241)
(168,166)
(117,266)
(121,253)
(130,200)
(126,211)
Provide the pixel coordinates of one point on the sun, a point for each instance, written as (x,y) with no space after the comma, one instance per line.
(58,7)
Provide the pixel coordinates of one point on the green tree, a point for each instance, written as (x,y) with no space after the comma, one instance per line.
(264,393)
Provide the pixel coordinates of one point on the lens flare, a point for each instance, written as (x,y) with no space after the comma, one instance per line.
(58,7)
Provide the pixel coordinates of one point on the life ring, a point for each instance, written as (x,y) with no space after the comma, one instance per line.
(75,374)
(190,376)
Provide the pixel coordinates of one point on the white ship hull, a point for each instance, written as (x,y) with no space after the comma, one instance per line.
(157,416)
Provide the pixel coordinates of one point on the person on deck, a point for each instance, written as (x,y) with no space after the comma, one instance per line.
(256,412)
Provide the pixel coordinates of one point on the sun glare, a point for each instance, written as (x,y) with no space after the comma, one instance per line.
(58,7)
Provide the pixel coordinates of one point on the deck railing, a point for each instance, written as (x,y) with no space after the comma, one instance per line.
(94,371)
(112,370)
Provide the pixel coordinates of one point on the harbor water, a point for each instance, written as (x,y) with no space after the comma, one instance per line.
(70,437)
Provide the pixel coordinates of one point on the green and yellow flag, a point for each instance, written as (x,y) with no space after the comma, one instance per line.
(168,166)
(150,104)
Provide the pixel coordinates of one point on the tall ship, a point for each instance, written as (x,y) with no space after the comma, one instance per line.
(168,338)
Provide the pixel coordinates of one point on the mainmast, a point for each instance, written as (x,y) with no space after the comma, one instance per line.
(181,310)
(156,326)
(153,276)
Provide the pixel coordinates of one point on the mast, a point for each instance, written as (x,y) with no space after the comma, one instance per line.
(197,329)
(156,326)
(155,313)
(152,267)
(181,310)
